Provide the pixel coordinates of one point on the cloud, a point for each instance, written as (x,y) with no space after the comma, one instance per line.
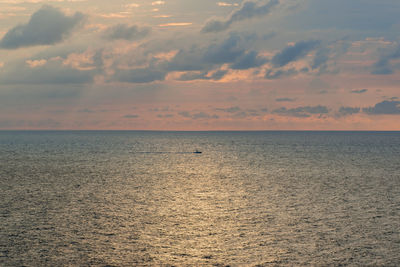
(384,66)
(196,116)
(345,111)
(230,110)
(125,32)
(215,76)
(385,107)
(302,112)
(285,99)
(226,52)
(230,51)
(362,16)
(165,116)
(52,71)
(175,24)
(224,4)
(237,112)
(271,74)
(130,116)
(362,91)
(158,3)
(47,26)
(294,52)
(320,60)
(249,60)
(140,75)
(249,10)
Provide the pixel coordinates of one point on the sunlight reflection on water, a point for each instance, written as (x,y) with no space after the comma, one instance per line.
(95,198)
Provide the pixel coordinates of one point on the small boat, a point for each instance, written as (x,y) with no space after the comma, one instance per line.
(197,152)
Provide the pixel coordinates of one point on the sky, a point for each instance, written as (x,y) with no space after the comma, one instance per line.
(200,65)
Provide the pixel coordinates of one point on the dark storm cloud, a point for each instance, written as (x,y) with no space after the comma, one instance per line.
(345,111)
(249,10)
(47,26)
(125,32)
(302,112)
(293,53)
(362,91)
(385,107)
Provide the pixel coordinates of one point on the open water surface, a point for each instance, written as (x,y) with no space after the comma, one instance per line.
(250,199)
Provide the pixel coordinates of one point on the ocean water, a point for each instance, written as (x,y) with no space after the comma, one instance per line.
(250,199)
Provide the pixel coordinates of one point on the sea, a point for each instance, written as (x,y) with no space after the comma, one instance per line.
(142,198)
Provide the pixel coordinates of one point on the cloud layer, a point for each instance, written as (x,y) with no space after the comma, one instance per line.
(47,26)
(248,10)
(125,32)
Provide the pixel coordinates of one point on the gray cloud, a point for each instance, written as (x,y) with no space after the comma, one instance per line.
(230,51)
(302,112)
(165,116)
(226,52)
(385,107)
(230,110)
(46,26)
(129,116)
(125,32)
(345,111)
(249,10)
(140,75)
(218,75)
(199,115)
(384,66)
(246,114)
(285,99)
(362,91)
(52,72)
(237,112)
(320,60)
(271,74)
(293,53)
(249,60)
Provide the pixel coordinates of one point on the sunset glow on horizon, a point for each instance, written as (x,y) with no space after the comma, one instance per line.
(200,65)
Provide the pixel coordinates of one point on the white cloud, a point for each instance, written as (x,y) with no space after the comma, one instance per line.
(157,3)
(36,63)
(176,24)
(227,4)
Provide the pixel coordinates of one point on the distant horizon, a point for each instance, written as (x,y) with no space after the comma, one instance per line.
(127,130)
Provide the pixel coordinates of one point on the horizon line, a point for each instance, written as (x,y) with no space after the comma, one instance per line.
(125,130)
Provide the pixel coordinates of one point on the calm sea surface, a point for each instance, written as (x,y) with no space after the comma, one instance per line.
(250,199)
